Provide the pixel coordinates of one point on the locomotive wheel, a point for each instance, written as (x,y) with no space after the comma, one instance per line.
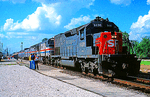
(55,63)
(43,60)
(82,67)
(77,65)
(95,71)
(86,70)
(46,61)
(110,79)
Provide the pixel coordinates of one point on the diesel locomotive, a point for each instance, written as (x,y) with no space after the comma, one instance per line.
(94,47)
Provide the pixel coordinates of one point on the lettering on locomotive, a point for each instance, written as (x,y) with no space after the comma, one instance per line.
(112,43)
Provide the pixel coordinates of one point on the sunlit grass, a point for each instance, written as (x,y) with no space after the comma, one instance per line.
(145,62)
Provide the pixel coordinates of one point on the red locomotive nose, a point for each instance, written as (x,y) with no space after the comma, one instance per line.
(109,44)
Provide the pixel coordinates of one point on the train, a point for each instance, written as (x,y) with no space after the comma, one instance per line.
(94,47)
(43,50)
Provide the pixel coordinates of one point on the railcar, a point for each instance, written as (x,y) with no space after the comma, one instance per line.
(43,50)
(46,49)
(95,47)
(26,53)
(21,54)
(15,55)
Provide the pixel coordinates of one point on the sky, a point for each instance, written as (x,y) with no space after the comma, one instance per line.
(30,21)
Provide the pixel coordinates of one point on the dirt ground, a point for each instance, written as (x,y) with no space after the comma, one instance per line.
(145,68)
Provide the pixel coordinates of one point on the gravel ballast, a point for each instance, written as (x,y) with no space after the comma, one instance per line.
(19,81)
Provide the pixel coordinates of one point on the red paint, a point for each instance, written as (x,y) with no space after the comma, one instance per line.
(47,49)
(109,45)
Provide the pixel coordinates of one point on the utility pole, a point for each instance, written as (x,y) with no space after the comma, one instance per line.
(7,51)
(21,50)
(21,45)
(1,46)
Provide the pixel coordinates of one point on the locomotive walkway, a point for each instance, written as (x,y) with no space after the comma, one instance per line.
(97,87)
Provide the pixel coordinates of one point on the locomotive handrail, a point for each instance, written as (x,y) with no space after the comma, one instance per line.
(105,46)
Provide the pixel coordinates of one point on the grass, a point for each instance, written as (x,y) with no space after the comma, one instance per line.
(145,62)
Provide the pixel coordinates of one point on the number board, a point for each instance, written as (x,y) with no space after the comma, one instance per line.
(109,25)
(97,25)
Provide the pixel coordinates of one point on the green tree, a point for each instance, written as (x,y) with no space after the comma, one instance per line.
(126,41)
(143,49)
(44,39)
(130,44)
(134,45)
(125,38)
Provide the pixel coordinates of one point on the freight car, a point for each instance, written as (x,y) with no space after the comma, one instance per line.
(95,47)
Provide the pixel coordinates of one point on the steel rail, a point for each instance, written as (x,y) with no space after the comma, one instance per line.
(134,84)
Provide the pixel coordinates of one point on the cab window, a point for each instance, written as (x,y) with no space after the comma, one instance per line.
(82,34)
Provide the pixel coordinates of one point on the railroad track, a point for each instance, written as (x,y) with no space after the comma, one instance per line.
(136,83)
(130,82)
(140,82)
(144,75)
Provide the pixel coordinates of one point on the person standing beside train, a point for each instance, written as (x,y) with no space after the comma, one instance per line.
(36,62)
(32,57)
(30,60)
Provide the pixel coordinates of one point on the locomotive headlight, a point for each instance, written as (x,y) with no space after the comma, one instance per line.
(105,36)
(113,36)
